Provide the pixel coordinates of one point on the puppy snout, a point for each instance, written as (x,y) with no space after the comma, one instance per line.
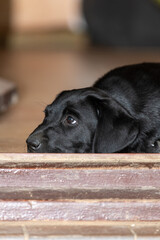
(33,144)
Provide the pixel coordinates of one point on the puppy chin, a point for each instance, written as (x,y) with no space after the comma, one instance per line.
(36,151)
(44,150)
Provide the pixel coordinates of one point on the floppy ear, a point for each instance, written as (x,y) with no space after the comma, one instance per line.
(116,127)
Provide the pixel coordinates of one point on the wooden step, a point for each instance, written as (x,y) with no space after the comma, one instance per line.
(80,194)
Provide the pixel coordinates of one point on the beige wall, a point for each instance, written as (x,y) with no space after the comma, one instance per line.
(35,15)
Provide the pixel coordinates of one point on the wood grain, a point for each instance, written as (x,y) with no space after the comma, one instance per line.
(41,198)
(79,160)
(133,189)
(43,183)
(81,228)
(78,210)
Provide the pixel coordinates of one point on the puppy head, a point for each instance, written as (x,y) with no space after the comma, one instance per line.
(68,126)
(83,121)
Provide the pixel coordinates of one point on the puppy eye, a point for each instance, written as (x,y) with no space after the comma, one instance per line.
(70,120)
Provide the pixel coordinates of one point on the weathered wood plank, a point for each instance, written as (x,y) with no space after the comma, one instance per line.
(89,228)
(71,183)
(78,160)
(90,194)
(78,210)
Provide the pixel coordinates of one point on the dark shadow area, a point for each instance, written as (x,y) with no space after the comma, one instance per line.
(5,13)
(123,23)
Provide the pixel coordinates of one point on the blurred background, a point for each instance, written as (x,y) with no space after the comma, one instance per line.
(53,45)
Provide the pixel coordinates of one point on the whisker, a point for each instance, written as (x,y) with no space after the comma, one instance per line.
(24,148)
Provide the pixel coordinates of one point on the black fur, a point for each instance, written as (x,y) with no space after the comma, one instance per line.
(120,113)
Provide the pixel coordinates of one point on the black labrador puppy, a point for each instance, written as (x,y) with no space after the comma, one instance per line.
(120,113)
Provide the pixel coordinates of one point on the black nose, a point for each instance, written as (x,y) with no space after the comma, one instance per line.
(33,144)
